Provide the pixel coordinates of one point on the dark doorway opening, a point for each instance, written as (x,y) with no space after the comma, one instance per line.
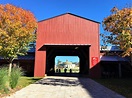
(81,51)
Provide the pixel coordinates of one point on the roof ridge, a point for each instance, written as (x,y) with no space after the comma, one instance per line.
(70,14)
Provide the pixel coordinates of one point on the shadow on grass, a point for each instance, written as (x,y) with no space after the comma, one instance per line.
(35,79)
(120,85)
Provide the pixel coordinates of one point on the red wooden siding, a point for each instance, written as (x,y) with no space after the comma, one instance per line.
(67,29)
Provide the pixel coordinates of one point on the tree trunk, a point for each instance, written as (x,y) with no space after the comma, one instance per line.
(9,74)
(10,67)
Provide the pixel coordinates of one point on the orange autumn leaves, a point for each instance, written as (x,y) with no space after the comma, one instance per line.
(119,24)
(14,19)
(17,30)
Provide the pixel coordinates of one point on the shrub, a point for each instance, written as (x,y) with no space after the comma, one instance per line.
(16,73)
(4,79)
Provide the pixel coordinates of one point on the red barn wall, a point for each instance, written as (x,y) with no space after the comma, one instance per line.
(66,29)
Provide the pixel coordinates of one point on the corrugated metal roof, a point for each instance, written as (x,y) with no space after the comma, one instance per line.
(113,58)
(32,49)
(26,57)
(110,48)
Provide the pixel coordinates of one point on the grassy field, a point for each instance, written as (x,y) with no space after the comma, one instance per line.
(23,82)
(121,86)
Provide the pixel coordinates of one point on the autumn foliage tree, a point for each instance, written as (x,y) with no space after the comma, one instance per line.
(17,30)
(119,25)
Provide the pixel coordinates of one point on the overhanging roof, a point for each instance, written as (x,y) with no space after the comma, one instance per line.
(110,48)
(113,58)
(50,44)
(25,57)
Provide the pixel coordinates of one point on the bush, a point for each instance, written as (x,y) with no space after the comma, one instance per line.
(4,79)
(7,82)
(16,73)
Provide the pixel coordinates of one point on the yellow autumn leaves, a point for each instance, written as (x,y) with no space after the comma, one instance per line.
(119,23)
(17,27)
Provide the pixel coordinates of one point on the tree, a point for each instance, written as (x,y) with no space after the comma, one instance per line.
(59,62)
(119,24)
(17,30)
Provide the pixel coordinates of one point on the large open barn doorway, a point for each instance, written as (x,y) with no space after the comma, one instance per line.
(80,51)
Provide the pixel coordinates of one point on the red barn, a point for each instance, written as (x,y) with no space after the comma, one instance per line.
(67,35)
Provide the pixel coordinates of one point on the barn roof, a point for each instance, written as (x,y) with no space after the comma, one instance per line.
(25,57)
(70,14)
(52,44)
(110,48)
(113,58)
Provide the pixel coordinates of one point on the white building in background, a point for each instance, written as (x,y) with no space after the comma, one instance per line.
(70,66)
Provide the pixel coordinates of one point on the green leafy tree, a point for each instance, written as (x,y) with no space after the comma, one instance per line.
(59,62)
(119,26)
(17,30)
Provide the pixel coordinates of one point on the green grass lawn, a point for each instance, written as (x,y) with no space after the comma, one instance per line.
(23,82)
(121,86)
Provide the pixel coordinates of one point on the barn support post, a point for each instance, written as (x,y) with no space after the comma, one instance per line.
(119,67)
(40,64)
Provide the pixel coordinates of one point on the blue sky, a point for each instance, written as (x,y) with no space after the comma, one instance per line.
(69,58)
(92,9)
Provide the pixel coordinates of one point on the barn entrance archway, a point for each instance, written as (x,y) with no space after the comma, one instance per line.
(67,65)
(82,51)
